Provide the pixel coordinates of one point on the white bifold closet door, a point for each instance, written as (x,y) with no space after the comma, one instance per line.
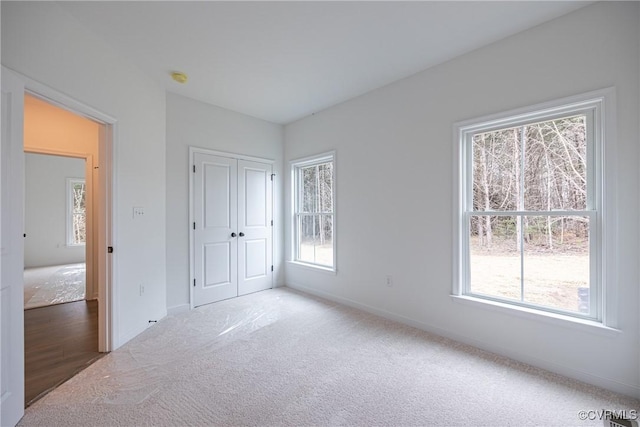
(232,229)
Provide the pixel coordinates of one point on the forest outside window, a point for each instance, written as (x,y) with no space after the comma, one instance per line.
(314,220)
(531,210)
(76,212)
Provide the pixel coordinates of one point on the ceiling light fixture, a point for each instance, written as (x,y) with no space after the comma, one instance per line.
(179,77)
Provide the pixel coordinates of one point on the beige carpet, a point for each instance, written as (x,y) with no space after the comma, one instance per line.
(279,357)
(55,284)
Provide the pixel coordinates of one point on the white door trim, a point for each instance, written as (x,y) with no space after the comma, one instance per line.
(12,250)
(91,289)
(193,150)
(106,224)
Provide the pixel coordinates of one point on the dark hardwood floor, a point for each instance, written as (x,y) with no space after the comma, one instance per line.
(59,340)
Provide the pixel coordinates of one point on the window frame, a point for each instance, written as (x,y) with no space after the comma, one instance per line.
(296,214)
(69,191)
(598,106)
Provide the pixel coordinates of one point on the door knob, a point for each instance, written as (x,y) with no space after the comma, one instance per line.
(241,234)
(233,234)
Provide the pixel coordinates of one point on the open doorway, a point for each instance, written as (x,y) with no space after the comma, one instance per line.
(61,265)
(56,229)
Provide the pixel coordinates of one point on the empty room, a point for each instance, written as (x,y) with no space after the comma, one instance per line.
(323,213)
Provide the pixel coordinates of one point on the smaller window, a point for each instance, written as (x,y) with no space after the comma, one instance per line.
(313,211)
(76,212)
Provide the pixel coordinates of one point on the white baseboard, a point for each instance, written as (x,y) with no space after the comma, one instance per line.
(177,309)
(548,365)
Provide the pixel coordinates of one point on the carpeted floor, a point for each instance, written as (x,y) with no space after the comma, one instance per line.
(55,284)
(279,357)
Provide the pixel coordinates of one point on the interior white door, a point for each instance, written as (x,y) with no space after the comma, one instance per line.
(11,252)
(254,227)
(232,249)
(215,228)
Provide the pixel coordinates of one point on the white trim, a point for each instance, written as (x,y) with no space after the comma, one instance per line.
(552,318)
(312,160)
(193,150)
(91,245)
(532,113)
(64,101)
(12,251)
(294,164)
(598,107)
(313,267)
(192,270)
(509,352)
(107,301)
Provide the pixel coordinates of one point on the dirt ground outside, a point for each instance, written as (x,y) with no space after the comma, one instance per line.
(552,277)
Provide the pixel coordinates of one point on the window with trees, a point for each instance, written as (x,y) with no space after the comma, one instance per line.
(531,224)
(76,212)
(313,194)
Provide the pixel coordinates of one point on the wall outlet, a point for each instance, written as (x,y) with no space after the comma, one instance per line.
(389,281)
(141,289)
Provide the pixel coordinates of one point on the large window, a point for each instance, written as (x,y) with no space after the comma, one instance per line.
(313,208)
(531,209)
(76,212)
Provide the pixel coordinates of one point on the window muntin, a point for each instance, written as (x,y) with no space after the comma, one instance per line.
(314,240)
(530,230)
(76,212)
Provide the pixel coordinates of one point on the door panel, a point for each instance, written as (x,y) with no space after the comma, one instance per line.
(256,197)
(256,254)
(11,252)
(215,217)
(217,264)
(217,203)
(254,248)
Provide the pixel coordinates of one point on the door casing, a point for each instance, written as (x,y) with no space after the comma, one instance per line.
(107,321)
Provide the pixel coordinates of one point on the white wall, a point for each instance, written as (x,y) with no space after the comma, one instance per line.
(46,210)
(43,42)
(193,123)
(394,151)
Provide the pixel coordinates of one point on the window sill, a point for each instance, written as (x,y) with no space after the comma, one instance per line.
(313,267)
(539,316)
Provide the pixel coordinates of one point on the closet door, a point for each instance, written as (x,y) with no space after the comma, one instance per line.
(254,226)
(232,223)
(215,228)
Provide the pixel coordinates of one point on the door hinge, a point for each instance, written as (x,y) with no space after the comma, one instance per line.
(110,249)
(271,222)
(194,283)
(272,268)
(194,168)
(194,225)
(272,175)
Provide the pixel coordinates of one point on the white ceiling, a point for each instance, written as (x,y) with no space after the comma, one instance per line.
(280,61)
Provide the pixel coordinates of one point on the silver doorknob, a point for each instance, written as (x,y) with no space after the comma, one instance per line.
(241,234)
(233,234)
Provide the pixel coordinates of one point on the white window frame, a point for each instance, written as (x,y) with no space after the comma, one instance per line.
(70,183)
(296,190)
(601,199)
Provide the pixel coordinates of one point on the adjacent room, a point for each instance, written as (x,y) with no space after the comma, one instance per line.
(322,213)
(60,274)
